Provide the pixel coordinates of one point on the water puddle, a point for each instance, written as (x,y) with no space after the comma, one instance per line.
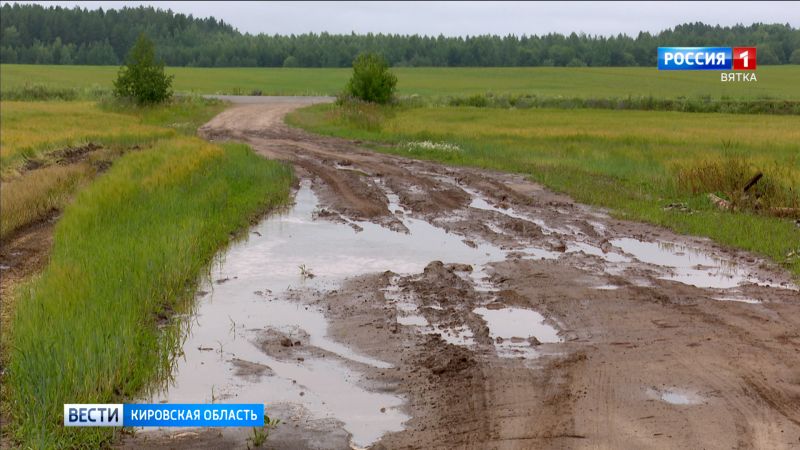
(589,249)
(686,265)
(516,330)
(480,202)
(607,287)
(675,396)
(408,315)
(689,266)
(249,293)
(751,301)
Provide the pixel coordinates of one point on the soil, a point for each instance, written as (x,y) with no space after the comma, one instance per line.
(646,359)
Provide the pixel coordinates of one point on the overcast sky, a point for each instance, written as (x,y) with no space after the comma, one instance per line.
(470,18)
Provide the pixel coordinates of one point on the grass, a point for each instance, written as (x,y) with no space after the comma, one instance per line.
(95,325)
(29,200)
(616,82)
(127,253)
(31,129)
(628,161)
(34,133)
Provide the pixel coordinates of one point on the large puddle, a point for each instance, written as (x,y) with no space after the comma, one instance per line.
(247,296)
(690,266)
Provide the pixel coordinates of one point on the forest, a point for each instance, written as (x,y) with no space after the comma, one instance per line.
(34,34)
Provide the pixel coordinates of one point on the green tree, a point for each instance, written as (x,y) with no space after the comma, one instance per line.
(142,79)
(371,80)
(290,61)
(795,58)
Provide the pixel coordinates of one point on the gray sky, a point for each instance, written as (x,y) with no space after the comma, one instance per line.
(471,18)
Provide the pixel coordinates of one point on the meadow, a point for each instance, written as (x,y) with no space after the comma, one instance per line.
(643,165)
(35,134)
(776,82)
(128,249)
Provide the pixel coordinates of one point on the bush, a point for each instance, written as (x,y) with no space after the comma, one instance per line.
(371,81)
(143,79)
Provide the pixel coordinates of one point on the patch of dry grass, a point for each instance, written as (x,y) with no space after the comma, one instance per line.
(38,194)
(727,177)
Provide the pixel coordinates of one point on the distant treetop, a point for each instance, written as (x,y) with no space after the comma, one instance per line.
(35,34)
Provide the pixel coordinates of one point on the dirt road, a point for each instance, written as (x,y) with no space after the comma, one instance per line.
(587,332)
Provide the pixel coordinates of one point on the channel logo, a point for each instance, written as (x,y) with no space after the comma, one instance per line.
(706,58)
(164,415)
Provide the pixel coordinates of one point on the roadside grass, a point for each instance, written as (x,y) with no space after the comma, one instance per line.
(32,129)
(633,162)
(775,82)
(36,133)
(96,326)
(34,197)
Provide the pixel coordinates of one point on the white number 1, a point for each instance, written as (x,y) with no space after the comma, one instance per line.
(744,55)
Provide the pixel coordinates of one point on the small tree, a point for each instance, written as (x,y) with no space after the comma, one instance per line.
(371,81)
(795,58)
(142,79)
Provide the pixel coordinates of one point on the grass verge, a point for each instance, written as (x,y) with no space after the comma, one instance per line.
(94,327)
(41,142)
(628,161)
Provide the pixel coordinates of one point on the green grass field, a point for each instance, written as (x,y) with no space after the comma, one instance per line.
(773,81)
(128,250)
(634,162)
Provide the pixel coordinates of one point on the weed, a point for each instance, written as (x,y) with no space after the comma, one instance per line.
(305,272)
(260,435)
(359,114)
(728,175)
(39,92)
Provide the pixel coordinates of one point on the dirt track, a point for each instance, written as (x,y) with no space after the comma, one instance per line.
(644,360)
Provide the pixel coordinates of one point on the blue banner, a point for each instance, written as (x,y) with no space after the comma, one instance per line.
(193,415)
(695,58)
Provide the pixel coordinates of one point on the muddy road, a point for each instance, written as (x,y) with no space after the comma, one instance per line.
(406,304)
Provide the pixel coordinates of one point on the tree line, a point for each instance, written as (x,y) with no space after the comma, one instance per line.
(33,34)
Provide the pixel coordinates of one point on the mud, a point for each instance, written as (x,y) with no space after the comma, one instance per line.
(483,311)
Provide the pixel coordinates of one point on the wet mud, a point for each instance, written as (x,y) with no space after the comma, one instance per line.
(406,304)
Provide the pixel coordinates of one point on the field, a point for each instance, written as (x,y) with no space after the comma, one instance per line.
(136,206)
(773,81)
(143,208)
(630,161)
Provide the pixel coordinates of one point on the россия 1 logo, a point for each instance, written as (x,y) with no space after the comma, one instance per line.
(737,59)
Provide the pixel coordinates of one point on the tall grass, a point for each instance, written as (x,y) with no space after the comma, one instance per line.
(628,161)
(778,189)
(127,253)
(32,198)
(34,134)
(32,129)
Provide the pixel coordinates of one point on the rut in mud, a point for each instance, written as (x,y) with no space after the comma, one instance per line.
(405,304)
